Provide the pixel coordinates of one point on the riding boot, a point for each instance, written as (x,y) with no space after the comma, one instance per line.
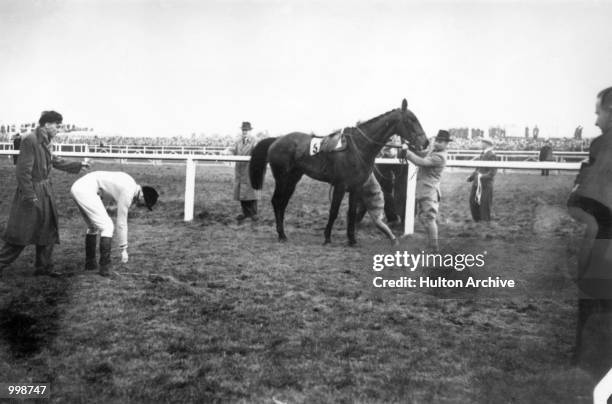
(105,256)
(90,252)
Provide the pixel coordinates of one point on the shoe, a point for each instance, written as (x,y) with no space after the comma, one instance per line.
(240,217)
(105,256)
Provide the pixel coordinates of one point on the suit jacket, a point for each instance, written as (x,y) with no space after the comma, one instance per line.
(546,153)
(30,223)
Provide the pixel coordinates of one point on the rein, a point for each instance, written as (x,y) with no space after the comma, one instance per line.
(390,145)
(362,133)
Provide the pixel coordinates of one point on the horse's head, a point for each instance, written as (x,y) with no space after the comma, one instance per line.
(409,128)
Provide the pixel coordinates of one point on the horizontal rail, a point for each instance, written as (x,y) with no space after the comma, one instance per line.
(519,165)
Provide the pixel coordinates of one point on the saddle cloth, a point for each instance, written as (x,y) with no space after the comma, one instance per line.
(331,143)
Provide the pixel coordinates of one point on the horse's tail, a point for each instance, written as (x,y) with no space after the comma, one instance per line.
(259,159)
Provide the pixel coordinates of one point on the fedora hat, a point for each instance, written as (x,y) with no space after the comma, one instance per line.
(443,136)
(246,126)
(487,140)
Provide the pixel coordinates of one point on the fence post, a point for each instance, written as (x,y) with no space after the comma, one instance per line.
(189,189)
(410,199)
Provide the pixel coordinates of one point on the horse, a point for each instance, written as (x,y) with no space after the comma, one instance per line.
(290,158)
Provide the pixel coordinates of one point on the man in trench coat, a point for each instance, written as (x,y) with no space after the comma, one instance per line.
(33,214)
(243,191)
(481,191)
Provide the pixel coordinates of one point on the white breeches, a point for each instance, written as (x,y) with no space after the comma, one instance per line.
(93,211)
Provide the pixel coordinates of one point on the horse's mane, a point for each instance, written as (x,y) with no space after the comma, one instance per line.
(372,120)
(377,117)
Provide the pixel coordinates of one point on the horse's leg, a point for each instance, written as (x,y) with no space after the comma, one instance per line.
(279,191)
(285,186)
(352,214)
(333,211)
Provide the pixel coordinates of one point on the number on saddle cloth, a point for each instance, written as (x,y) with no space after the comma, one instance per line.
(331,143)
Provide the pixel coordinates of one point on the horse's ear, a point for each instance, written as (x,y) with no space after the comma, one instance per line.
(404,105)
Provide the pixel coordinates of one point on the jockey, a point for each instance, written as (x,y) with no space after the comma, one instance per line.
(119,187)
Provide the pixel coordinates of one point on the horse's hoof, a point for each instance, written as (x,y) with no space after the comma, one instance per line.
(282,239)
(395,242)
(352,243)
(327,241)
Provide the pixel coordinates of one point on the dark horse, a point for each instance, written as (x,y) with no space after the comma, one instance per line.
(289,156)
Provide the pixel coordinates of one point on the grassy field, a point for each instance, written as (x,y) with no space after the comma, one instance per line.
(215,311)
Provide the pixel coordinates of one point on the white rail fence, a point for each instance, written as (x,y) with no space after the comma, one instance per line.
(191,164)
(504,155)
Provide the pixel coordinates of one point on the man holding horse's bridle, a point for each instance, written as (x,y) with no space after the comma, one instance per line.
(428,194)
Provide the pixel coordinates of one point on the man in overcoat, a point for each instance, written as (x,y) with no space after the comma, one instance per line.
(33,214)
(481,192)
(590,202)
(546,154)
(243,191)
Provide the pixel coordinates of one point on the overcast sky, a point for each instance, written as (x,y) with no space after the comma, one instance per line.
(162,68)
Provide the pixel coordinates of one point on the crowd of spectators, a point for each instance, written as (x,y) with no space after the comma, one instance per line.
(464,139)
(523,144)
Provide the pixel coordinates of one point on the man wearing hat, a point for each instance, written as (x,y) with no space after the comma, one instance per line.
(481,192)
(428,184)
(546,154)
(33,215)
(243,191)
(116,186)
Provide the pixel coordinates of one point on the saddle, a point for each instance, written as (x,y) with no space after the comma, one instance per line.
(328,144)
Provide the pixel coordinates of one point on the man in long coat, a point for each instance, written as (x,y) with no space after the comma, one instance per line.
(481,192)
(33,215)
(546,154)
(243,191)
(590,203)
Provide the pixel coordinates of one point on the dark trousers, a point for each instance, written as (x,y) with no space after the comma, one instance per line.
(9,253)
(249,208)
(481,211)
(400,189)
(593,350)
(386,175)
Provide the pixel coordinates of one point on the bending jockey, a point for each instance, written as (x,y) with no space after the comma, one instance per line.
(121,188)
